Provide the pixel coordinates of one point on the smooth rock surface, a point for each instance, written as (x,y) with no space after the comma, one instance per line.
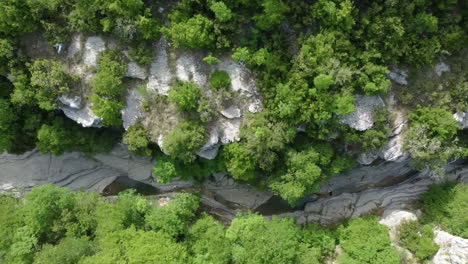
(363,118)
(93,46)
(136,71)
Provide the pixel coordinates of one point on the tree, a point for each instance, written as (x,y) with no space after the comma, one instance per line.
(111,69)
(240,163)
(273,14)
(207,242)
(164,170)
(108,110)
(184,141)
(137,140)
(68,251)
(49,80)
(220,80)
(186,95)
(364,240)
(221,11)
(55,138)
(256,240)
(195,33)
(174,218)
(16,18)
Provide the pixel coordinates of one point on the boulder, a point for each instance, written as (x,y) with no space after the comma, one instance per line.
(82,114)
(136,71)
(399,76)
(462,118)
(453,249)
(441,68)
(160,77)
(363,118)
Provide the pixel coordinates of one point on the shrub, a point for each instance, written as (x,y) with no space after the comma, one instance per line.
(364,240)
(220,80)
(108,110)
(185,141)
(111,69)
(419,239)
(186,95)
(137,140)
(211,60)
(142,53)
(195,33)
(445,205)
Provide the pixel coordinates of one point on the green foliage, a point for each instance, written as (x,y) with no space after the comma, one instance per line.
(16,18)
(138,246)
(373,139)
(186,95)
(273,14)
(142,53)
(221,11)
(164,170)
(445,205)
(195,33)
(364,240)
(431,138)
(207,242)
(63,135)
(258,240)
(68,251)
(239,162)
(419,239)
(211,60)
(333,15)
(54,138)
(306,170)
(108,110)
(220,80)
(137,140)
(48,80)
(108,80)
(174,218)
(184,141)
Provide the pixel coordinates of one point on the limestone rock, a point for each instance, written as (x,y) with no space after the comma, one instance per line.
(231,112)
(82,115)
(160,75)
(462,118)
(133,111)
(453,249)
(93,46)
(367,158)
(72,102)
(191,68)
(441,68)
(399,76)
(363,118)
(75,46)
(210,149)
(135,71)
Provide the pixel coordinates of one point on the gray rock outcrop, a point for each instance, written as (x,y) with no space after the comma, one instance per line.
(453,249)
(363,118)
(399,76)
(462,118)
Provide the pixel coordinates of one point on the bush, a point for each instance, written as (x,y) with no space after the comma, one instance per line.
(220,80)
(419,239)
(258,240)
(49,80)
(186,95)
(137,140)
(207,241)
(445,205)
(108,110)
(364,240)
(195,33)
(108,81)
(185,141)
(142,53)
(68,251)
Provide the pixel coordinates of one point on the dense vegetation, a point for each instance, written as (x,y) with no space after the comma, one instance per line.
(54,225)
(311,59)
